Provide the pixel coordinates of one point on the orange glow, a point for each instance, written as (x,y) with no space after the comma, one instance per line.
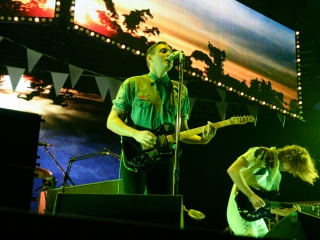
(31,8)
(245,60)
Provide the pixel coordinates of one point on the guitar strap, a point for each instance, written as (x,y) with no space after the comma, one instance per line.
(122,161)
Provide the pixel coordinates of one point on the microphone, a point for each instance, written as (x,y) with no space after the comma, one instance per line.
(44,144)
(174,55)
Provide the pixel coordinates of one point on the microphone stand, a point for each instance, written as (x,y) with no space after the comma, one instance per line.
(78,158)
(176,170)
(66,176)
(197,215)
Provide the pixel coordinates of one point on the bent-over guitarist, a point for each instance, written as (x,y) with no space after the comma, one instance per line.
(256,176)
(143,104)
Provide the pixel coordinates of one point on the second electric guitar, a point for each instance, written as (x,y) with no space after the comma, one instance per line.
(249,213)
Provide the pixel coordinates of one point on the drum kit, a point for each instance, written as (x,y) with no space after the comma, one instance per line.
(48,181)
(42,173)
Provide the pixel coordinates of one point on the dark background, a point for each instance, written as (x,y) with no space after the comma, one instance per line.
(204,183)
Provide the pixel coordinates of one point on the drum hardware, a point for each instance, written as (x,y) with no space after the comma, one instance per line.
(48,181)
(42,173)
(47,184)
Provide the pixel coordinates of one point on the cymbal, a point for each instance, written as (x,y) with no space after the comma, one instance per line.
(42,173)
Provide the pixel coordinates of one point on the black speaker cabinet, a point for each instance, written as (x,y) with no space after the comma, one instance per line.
(47,199)
(297,226)
(156,209)
(19,145)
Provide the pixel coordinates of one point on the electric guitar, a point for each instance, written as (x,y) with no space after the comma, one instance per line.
(249,213)
(139,156)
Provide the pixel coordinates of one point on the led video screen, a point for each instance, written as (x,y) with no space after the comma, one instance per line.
(223,40)
(28,8)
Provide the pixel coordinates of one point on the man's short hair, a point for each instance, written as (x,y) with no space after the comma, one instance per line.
(150,50)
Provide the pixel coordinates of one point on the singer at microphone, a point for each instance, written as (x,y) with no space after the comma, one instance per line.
(44,144)
(174,55)
(147,101)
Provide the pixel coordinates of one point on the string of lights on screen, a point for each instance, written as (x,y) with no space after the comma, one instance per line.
(138,52)
(26,16)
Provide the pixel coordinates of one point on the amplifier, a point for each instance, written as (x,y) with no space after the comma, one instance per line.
(150,209)
(46,199)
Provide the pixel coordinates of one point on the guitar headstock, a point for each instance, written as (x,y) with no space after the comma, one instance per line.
(312,209)
(241,120)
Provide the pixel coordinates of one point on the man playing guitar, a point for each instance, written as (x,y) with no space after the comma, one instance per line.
(143,104)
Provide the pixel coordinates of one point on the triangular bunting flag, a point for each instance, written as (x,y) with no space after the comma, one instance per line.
(222,108)
(114,86)
(191,100)
(282,118)
(253,110)
(15,74)
(222,94)
(33,58)
(185,82)
(103,85)
(75,74)
(1,38)
(58,81)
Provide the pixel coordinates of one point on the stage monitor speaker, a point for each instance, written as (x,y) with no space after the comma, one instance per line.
(18,148)
(297,226)
(156,209)
(15,223)
(47,198)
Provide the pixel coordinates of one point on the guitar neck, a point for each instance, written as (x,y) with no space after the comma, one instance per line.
(198,130)
(274,204)
(312,209)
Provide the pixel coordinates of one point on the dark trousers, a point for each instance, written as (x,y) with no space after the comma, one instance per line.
(158,179)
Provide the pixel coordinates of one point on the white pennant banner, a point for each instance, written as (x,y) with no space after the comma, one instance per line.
(15,75)
(185,82)
(222,94)
(282,118)
(33,58)
(222,108)
(191,100)
(114,86)
(58,81)
(253,110)
(75,74)
(103,85)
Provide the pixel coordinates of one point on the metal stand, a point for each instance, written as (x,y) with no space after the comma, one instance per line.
(82,157)
(176,170)
(64,173)
(47,184)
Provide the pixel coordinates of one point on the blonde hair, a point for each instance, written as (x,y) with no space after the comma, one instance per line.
(300,162)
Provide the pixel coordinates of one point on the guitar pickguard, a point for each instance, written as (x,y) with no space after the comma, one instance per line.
(139,156)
